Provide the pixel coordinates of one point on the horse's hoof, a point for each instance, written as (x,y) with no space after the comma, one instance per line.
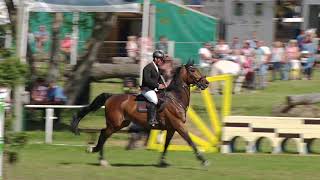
(163,163)
(104,163)
(205,163)
(89,149)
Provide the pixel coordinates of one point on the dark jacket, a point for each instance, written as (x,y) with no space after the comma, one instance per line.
(150,78)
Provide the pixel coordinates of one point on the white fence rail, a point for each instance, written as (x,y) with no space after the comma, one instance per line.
(49,117)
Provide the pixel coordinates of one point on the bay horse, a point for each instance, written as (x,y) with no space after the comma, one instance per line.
(120,109)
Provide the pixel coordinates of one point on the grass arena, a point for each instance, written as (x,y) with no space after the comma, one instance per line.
(65,158)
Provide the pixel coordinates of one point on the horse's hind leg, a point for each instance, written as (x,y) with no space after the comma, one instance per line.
(184,133)
(104,135)
(170,133)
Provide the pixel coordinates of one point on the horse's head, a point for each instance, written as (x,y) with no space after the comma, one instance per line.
(194,76)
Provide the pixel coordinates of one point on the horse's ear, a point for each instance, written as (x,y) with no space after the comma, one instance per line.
(190,63)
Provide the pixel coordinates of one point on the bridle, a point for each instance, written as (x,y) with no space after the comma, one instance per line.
(196,81)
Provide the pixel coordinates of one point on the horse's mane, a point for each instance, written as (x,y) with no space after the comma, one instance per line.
(176,82)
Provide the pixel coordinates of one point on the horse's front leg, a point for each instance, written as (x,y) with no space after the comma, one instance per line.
(170,133)
(185,135)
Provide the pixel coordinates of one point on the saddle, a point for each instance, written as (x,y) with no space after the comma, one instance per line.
(142,103)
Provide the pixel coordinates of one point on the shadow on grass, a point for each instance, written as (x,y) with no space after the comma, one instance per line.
(124,165)
(151,165)
(133,165)
(35,120)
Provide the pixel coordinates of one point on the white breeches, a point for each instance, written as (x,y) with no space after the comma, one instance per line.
(151,96)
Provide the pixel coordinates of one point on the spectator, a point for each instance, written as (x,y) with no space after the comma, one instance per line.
(132,47)
(163,44)
(222,49)
(168,69)
(41,38)
(147,43)
(130,85)
(300,38)
(292,60)
(56,96)
(39,95)
(248,52)
(241,60)
(39,92)
(228,65)
(277,58)
(262,59)
(253,41)
(307,61)
(309,45)
(235,44)
(65,46)
(205,58)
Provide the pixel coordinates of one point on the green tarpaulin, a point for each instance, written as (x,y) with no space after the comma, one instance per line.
(188,28)
(37,19)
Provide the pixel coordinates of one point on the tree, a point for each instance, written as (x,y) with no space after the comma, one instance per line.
(12,12)
(12,72)
(78,83)
(53,72)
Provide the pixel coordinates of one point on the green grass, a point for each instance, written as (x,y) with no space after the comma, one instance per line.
(39,161)
(48,162)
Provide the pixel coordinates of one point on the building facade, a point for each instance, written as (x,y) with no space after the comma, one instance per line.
(240,18)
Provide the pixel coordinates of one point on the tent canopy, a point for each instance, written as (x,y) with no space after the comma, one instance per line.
(84,6)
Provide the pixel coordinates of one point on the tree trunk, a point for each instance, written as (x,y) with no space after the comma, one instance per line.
(12,13)
(103,71)
(303,99)
(53,72)
(81,73)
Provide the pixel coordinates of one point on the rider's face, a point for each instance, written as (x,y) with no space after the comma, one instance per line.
(159,61)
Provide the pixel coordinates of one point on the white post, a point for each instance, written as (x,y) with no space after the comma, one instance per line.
(49,125)
(145,30)
(22,34)
(75,34)
(8,39)
(305,15)
(1,136)
(171,46)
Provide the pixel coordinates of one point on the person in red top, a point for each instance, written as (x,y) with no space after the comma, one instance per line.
(65,46)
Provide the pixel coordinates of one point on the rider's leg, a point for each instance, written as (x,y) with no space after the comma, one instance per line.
(152,110)
(152,106)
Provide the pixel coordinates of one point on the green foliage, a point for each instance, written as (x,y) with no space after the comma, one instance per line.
(12,71)
(14,142)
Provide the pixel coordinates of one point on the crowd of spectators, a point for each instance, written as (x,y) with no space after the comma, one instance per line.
(47,93)
(252,61)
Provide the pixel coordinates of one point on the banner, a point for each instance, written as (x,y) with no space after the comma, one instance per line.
(187,27)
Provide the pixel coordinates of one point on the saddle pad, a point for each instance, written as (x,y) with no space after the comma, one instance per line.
(142,106)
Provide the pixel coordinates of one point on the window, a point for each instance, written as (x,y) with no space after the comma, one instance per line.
(238,9)
(258,9)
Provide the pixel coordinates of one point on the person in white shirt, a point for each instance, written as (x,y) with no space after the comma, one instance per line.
(263,55)
(222,49)
(205,58)
(132,47)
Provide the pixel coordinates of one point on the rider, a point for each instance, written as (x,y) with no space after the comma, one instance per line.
(151,82)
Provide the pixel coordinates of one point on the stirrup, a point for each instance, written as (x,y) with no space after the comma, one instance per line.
(153,123)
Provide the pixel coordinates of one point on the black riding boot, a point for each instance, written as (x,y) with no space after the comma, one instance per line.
(152,110)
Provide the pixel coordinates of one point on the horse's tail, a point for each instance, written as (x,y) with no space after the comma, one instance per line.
(94,106)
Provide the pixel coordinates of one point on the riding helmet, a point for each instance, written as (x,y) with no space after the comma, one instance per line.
(158,54)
